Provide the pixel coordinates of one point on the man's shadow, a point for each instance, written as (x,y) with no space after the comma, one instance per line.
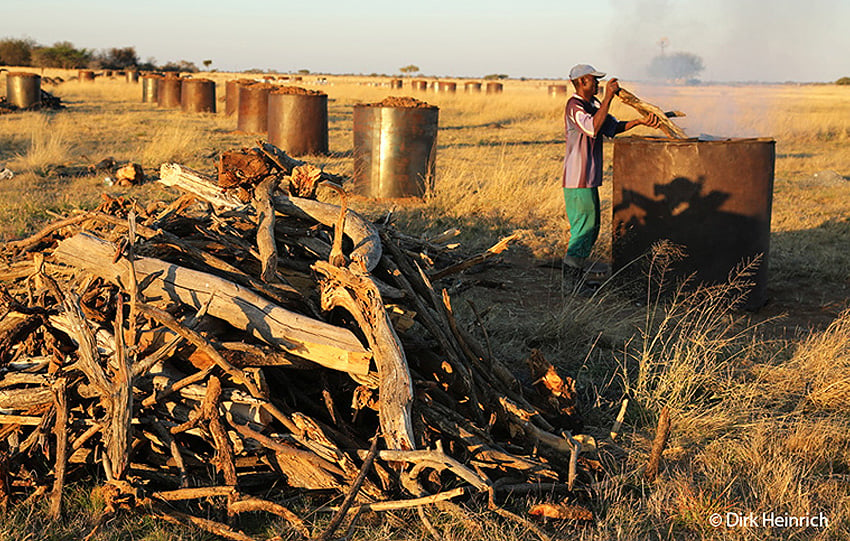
(715,242)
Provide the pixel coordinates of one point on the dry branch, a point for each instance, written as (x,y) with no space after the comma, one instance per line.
(353,290)
(644,108)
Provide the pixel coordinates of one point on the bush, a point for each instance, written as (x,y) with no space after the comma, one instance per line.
(62,54)
(843,81)
(16,52)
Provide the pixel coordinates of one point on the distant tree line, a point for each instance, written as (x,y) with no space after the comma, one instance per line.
(63,54)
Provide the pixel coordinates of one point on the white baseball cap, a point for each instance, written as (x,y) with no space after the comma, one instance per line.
(580,70)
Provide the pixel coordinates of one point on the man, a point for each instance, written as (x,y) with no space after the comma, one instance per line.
(586,120)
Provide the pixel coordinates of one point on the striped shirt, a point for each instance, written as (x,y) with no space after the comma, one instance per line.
(583,157)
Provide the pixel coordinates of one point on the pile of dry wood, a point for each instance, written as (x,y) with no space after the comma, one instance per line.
(242,349)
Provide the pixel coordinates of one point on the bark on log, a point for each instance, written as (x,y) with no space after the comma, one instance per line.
(21,399)
(354,291)
(120,403)
(305,337)
(263,194)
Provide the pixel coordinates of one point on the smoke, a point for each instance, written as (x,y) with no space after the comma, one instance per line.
(717,111)
(637,30)
(738,40)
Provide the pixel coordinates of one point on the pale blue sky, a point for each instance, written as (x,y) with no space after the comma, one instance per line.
(739,40)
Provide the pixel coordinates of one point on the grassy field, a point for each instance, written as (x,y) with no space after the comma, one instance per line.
(759,401)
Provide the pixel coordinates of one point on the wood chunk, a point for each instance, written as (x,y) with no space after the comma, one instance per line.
(305,337)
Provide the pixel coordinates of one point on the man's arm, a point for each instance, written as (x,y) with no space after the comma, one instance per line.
(611,89)
(649,120)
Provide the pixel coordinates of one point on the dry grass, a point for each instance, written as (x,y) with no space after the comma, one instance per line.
(760,416)
(50,141)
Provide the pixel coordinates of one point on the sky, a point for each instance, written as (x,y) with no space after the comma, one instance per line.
(738,40)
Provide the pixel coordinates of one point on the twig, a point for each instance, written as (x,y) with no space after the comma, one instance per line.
(216,528)
(618,422)
(355,488)
(427,523)
(193,493)
(414,502)
(496,249)
(437,460)
(491,504)
(248,503)
(60,430)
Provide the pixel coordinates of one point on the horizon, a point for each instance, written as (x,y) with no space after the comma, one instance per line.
(471,40)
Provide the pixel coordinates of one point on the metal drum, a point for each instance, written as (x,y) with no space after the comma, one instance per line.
(169,91)
(557,91)
(494,88)
(132,76)
(298,120)
(150,85)
(253,110)
(419,85)
(86,75)
(231,97)
(713,198)
(447,87)
(198,96)
(394,150)
(471,86)
(396,83)
(23,89)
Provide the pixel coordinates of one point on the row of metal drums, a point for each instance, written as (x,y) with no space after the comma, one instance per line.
(451,86)
(293,118)
(394,146)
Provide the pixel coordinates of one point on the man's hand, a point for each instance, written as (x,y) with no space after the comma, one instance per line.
(612,87)
(650,120)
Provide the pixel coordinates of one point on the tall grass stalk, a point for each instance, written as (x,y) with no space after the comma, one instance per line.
(50,142)
(687,355)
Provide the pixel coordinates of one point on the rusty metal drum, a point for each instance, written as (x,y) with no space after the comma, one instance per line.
(448,87)
(298,120)
(23,89)
(86,75)
(253,109)
(169,92)
(711,197)
(494,88)
(132,76)
(396,83)
(558,91)
(419,84)
(395,148)
(471,86)
(198,96)
(231,97)
(150,86)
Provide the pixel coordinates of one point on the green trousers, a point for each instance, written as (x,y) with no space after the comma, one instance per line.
(583,213)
